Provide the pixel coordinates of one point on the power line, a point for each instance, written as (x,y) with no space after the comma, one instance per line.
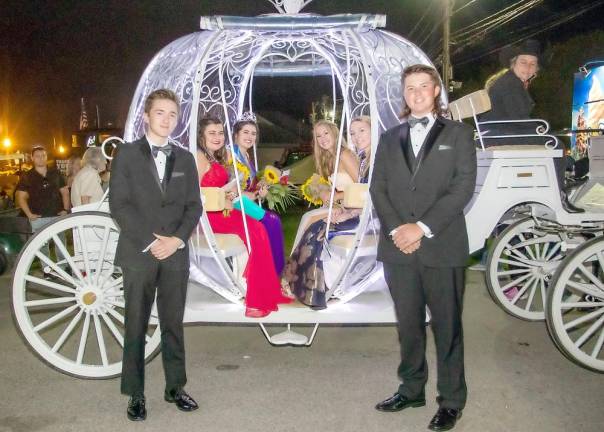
(425,14)
(498,18)
(464,6)
(552,24)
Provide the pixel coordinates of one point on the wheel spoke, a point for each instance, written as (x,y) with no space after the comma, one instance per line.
(99,264)
(598,345)
(83,339)
(59,343)
(110,324)
(515,263)
(118,303)
(585,318)
(84,246)
(585,288)
(529,302)
(100,340)
(515,253)
(46,302)
(118,316)
(55,318)
(553,252)
(527,248)
(589,332)
(56,268)
(50,284)
(595,280)
(522,290)
(511,272)
(573,305)
(74,269)
(544,251)
(516,282)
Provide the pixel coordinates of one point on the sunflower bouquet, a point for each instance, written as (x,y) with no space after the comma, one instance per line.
(313,188)
(243,171)
(280,193)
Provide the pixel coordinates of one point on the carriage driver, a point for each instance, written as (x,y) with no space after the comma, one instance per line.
(156,203)
(423,177)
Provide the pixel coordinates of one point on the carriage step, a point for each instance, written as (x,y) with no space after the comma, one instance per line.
(289,337)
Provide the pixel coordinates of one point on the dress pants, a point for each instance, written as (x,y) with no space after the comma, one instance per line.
(140,287)
(440,288)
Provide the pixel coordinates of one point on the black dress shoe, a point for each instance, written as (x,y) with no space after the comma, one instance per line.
(398,402)
(183,401)
(444,419)
(568,206)
(136,408)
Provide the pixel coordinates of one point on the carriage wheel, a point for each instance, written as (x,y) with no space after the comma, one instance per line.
(575,306)
(68,298)
(520,265)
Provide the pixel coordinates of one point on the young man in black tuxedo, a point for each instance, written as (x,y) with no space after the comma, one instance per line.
(423,176)
(156,203)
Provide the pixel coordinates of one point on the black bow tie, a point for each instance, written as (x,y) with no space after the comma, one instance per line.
(415,121)
(165,149)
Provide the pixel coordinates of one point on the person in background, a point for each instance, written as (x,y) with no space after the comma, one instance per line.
(87,184)
(42,194)
(74,164)
(511,100)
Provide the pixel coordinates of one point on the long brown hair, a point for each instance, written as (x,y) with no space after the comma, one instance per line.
(439,107)
(237,128)
(221,155)
(324,159)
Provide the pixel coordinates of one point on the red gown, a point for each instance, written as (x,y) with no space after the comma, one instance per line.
(263,285)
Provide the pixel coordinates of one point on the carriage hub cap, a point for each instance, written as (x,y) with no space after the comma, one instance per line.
(90,298)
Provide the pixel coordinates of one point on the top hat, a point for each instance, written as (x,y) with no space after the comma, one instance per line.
(528,47)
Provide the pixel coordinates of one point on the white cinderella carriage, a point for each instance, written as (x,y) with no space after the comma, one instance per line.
(68,304)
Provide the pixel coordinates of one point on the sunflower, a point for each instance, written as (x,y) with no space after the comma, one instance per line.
(312,187)
(271,175)
(244,173)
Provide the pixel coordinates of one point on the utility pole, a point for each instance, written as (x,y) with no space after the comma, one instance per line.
(447,72)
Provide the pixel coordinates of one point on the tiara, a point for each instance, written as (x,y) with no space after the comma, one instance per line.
(247,116)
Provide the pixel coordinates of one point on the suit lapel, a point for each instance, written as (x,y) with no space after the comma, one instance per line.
(150,162)
(169,168)
(430,140)
(405,143)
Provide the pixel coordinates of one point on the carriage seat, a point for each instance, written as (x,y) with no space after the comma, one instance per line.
(355,197)
(478,102)
(213,199)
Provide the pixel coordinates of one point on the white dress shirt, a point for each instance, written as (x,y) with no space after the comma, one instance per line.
(418,135)
(160,160)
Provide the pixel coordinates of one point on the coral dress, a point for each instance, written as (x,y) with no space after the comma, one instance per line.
(263,285)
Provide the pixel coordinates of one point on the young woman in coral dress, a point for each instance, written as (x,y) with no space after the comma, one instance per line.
(263,286)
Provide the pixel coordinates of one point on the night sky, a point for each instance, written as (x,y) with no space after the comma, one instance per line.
(52,53)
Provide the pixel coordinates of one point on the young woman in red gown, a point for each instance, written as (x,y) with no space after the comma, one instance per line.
(263,285)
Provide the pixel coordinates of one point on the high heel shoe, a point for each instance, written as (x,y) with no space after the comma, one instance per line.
(286,290)
(256,313)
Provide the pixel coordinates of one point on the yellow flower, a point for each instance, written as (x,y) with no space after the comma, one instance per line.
(311,187)
(244,173)
(271,174)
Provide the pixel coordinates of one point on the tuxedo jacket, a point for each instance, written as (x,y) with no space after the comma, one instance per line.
(142,205)
(433,188)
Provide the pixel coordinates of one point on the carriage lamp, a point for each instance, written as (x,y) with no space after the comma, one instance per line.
(6,143)
(61,149)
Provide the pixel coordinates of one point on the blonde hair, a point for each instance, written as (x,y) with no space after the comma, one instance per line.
(324,159)
(367,120)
